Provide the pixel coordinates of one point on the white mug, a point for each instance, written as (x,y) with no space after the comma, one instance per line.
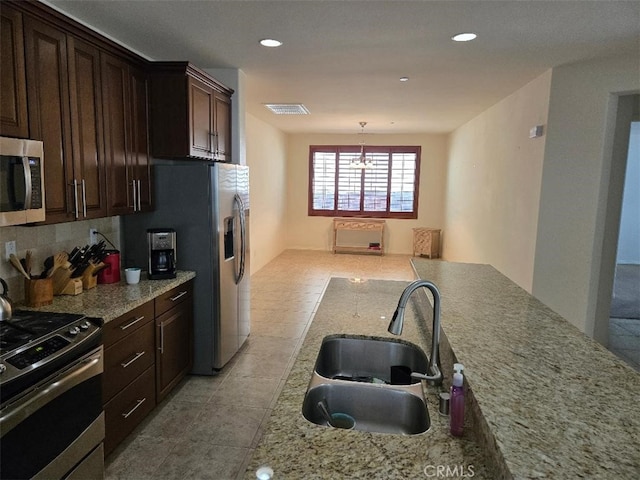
(132,275)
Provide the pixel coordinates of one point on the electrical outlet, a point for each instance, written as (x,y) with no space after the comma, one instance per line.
(93,236)
(9,248)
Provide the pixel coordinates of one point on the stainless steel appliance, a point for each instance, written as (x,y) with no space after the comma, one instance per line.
(207,204)
(51,418)
(21,181)
(162,253)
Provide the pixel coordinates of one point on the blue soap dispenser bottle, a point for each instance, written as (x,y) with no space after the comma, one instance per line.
(456,411)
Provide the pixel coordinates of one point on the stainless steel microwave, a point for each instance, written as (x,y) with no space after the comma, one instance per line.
(21,181)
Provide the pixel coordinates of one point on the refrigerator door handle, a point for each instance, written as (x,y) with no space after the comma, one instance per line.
(240,204)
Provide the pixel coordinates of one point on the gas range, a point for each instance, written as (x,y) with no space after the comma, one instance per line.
(35,344)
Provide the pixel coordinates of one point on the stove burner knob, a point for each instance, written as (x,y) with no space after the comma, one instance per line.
(84,326)
(3,368)
(73,331)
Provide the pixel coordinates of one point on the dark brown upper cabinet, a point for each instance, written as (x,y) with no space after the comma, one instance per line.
(190,113)
(65,112)
(13,83)
(86,98)
(125,92)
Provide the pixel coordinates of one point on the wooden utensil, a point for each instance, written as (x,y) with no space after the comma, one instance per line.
(59,259)
(28,261)
(17,265)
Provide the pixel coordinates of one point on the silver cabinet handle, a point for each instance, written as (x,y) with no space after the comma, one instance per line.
(124,327)
(139,202)
(136,357)
(180,295)
(84,199)
(133,182)
(140,402)
(161,347)
(74,184)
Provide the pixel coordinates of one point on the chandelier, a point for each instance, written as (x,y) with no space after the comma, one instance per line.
(362,161)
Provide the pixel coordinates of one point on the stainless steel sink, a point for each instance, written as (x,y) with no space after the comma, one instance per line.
(367,359)
(375,409)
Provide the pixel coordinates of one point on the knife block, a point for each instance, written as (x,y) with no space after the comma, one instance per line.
(89,276)
(73,287)
(38,292)
(60,278)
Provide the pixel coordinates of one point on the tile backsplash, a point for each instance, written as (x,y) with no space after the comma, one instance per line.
(46,240)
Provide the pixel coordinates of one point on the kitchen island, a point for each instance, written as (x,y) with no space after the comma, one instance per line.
(544,401)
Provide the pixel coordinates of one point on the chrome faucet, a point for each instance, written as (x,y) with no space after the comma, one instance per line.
(434,374)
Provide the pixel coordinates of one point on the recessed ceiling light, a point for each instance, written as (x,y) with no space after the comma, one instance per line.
(404,79)
(287,108)
(270,42)
(464,37)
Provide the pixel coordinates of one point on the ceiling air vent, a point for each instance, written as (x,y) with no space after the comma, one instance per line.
(287,108)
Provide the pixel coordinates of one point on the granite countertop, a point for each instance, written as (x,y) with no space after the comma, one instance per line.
(555,403)
(296,448)
(544,400)
(109,301)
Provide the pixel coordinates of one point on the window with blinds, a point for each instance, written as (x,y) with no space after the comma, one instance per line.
(385,186)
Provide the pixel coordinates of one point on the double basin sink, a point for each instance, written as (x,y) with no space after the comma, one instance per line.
(368,379)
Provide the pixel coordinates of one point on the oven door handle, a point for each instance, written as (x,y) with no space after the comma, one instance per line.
(81,371)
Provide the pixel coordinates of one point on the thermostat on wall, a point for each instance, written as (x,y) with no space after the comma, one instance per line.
(536,131)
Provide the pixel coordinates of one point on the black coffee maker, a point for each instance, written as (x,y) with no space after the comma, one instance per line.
(162,253)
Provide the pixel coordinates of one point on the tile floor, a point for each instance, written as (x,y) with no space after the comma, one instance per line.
(208,427)
(624,340)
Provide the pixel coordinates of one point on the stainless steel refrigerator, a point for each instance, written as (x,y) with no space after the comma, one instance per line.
(208,206)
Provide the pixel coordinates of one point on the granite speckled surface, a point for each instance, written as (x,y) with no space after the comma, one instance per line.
(296,448)
(555,403)
(109,301)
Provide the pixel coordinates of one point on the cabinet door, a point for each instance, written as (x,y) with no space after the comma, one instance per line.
(201,119)
(86,125)
(13,83)
(49,119)
(139,149)
(174,356)
(222,116)
(115,93)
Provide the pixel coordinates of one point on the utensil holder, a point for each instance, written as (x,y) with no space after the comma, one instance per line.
(38,292)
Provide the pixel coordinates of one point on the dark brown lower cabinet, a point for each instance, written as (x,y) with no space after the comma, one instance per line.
(128,408)
(174,332)
(147,351)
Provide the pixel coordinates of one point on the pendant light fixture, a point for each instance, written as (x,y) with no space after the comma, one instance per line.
(362,161)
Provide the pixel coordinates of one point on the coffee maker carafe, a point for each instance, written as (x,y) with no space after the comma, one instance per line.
(162,253)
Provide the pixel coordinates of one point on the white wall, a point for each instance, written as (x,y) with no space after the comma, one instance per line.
(629,236)
(315,233)
(493,184)
(575,185)
(266,157)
